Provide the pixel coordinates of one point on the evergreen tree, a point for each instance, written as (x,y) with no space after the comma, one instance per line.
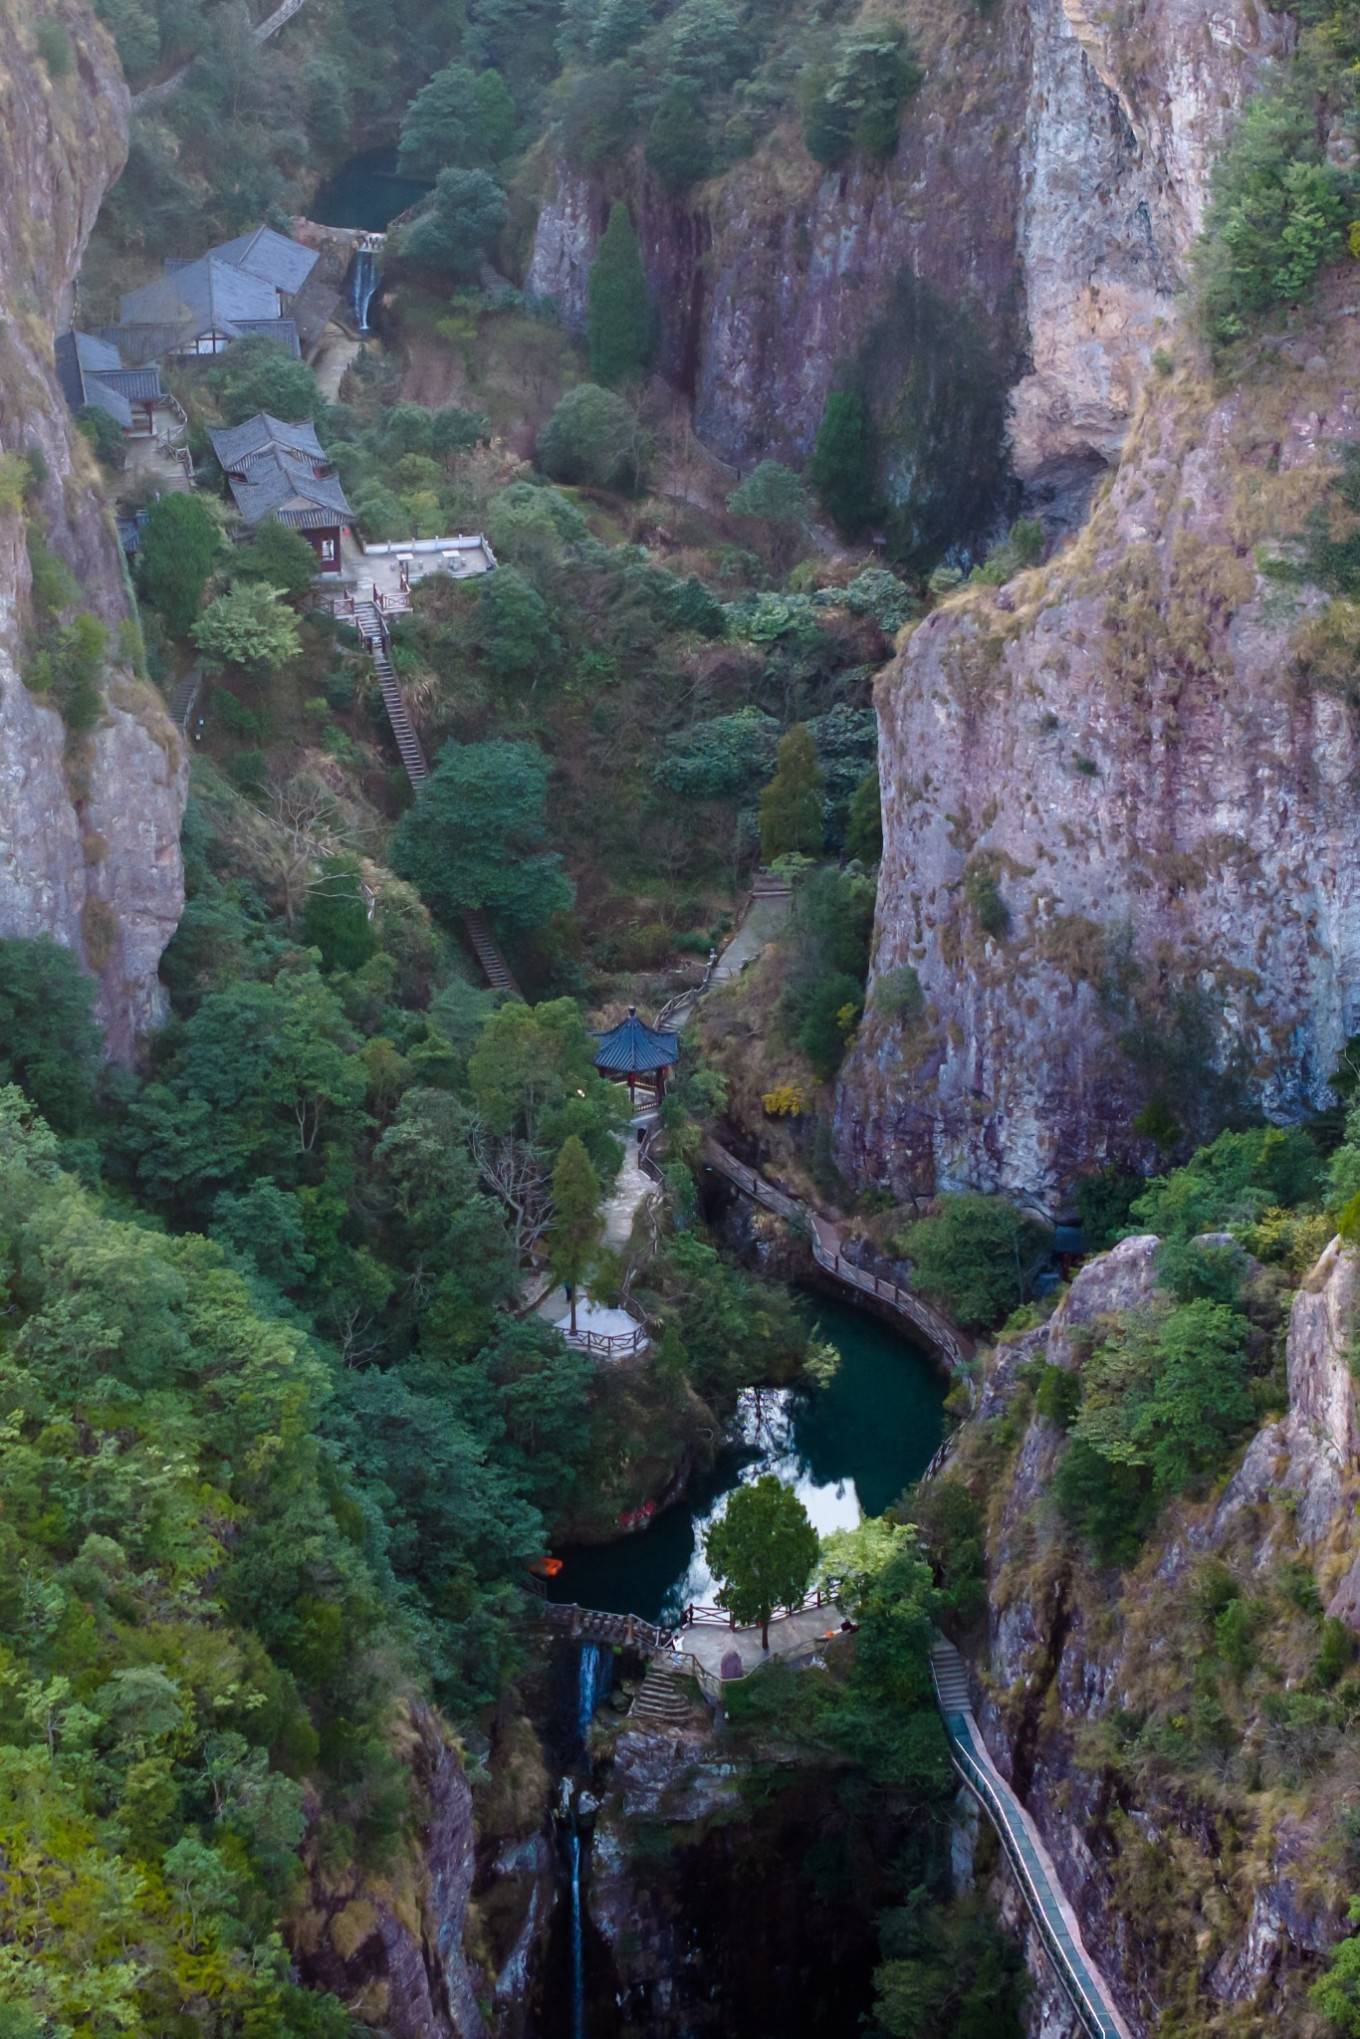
(864,828)
(576,1210)
(791,808)
(335,918)
(678,147)
(465,214)
(763,1551)
(775,496)
(180,545)
(277,554)
(460,120)
(619,324)
(474,837)
(844,461)
(619,28)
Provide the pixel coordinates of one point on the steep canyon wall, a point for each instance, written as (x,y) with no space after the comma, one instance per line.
(1050,173)
(1210,1878)
(89,826)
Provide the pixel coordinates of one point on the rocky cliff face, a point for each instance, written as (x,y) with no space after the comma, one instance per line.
(1202,1853)
(1067,148)
(1119,822)
(89,828)
(391,1948)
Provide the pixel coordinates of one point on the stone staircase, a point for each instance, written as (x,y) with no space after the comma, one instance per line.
(480,938)
(403,729)
(951,1680)
(494,966)
(661,1698)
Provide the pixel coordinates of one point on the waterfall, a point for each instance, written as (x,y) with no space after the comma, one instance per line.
(593,1679)
(578,1932)
(363,282)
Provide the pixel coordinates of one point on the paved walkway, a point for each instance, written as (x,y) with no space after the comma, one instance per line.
(796,1635)
(937,1329)
(332,360)
(1036,1874)
(632,1187)
(765,914)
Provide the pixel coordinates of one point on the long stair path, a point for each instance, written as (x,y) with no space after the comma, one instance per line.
(152,95)
(480,938)
(1040,1884)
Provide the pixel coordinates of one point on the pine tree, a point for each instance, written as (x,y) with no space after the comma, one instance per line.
(844,461)
(576,1211)
(791,806)
(763,1551)
(619,325)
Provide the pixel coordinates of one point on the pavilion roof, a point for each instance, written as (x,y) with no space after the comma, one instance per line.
(634,1047)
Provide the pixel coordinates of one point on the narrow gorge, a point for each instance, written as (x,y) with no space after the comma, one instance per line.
(679,1018)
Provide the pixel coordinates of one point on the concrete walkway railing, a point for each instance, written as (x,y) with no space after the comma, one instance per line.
(1047,1904)
(152,95)
(935,1328)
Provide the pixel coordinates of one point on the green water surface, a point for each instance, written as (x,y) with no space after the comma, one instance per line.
(848,1449)
(366,192)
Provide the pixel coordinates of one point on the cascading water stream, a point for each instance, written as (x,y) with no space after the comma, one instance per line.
(578,1930)
(363,283)
(594,1676)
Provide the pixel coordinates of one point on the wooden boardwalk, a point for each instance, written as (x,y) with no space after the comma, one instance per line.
(1035,1873)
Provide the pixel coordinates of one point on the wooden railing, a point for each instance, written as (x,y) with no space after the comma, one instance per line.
(610,1345)
(699,1615)
(936,1329)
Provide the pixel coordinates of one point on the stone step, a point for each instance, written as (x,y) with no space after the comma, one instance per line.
(660,1698)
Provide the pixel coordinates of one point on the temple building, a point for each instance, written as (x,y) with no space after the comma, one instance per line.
(275,469)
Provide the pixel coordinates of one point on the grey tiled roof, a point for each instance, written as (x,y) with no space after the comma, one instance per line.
(206,293)
(283,332)
(113,401)
(236,443)
(271,469)
(285,263)
(141,384)
(94,352)
(90,371)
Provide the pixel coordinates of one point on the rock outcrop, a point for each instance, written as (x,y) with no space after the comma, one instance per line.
(1066,146)
(1119,819)
(89,826)
(1200,1850)
(391,1948)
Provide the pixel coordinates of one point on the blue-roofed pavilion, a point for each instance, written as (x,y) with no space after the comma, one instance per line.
(633,1051)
